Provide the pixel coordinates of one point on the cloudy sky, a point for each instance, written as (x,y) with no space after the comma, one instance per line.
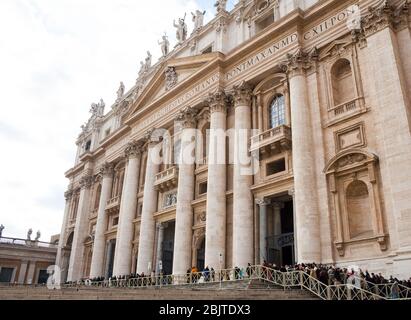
(56,58)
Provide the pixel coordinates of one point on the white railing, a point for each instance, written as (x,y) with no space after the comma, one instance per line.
(286,280)
(27,243)
(115,201)
(271,136)
(344,108)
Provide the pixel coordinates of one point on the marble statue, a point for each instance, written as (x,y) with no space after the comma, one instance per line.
(181,32)
(149,58)
(97,109)
(120,91)
(1,230)
(38,235)
(221,5)
(29,233)
(198,19)
(165,45)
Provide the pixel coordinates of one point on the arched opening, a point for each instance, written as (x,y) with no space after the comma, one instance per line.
(359,210)
(277,111)
(342,82)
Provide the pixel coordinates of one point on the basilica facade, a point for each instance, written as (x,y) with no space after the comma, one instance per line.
(278,131)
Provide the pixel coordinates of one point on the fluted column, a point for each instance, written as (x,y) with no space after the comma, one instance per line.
(307,215)
(147,229)
(262,204)
(62,241)
(128,207)
(243,226)
(97,260)
(80,230)
(160,240)
(185,194)
(217,182)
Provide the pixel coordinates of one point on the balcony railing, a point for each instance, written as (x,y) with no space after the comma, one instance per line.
(346,109)
(166,179)
(27,243)
(274,139)
(202,163)
(113,203)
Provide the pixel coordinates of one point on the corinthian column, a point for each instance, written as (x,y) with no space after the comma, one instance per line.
(128,206)
(62,241)
(217,185)
(263,229)
(97,266)
(307,215)
(243,221)
(147,229)
(184,211)
(80,230)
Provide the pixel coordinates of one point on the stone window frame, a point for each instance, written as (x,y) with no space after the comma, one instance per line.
(198,183)
(274,158)
(268,96)
(343,48)
(347,166)
(339,133)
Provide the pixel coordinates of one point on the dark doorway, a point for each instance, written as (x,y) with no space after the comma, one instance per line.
(168,247)
(201,256)
(43,277)
(111,248)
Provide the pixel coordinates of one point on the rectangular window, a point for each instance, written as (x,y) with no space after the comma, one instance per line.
(88,146)
(115,221)
(6,274)
(275,167)
(202,188)
(43,277)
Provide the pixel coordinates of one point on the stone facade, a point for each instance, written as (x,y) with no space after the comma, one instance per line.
(314,95)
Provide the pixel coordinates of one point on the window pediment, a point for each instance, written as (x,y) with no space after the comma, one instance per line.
(349,159)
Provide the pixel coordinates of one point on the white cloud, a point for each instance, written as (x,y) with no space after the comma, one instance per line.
(56,58)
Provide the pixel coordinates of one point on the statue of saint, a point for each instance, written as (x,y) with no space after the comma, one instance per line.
(181,32)
(147,65)
(165,45)
(29,233)
(198,19)
(221,5)
(120,91)
(1,230)
(38,235)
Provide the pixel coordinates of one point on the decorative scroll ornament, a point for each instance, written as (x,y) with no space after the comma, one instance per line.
(242,94)
(299,62)
(217,101)
(171,78)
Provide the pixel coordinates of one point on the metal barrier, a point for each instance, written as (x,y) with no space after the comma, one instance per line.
(294,279)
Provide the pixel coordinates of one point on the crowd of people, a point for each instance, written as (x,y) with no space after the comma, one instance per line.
(327,274)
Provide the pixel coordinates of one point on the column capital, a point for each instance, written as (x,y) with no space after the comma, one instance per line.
(107,170)
(187,117)
(86,181)
(385,15)
(262,202)
(68,194)
(300,62)
(217,101)
(133,149)
(242,94)
(152,137)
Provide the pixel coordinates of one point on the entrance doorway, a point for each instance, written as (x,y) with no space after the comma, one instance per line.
(168,248)
(201,256)
(111,249)
(280,240)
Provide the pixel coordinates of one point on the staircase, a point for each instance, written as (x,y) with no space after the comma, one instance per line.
(242,290)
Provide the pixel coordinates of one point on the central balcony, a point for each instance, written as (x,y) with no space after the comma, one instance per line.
(273,140)
(113,203)
(167,179)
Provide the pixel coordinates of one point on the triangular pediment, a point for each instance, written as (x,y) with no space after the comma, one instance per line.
(336,47)
(157,87)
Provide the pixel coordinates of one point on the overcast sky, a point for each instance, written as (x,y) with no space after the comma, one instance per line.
(56,58)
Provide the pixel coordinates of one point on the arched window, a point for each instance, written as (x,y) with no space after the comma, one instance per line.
(277,112)
(342,82)
(359,209)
